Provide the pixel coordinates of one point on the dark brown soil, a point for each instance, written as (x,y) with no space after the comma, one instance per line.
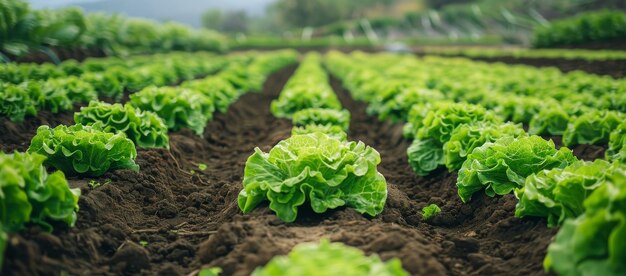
(171,218)
(613,68)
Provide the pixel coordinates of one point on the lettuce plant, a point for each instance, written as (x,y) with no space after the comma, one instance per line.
(399,106)
(179,108)
(144,128)
(593,127)
(503,165)
(219,90)
(617,144)
(307,88)
(29,195)
(86,150)
(75,89)
(328,258)
(552,120)
(106,85)
(465,138)
(314,168)
(429,211)
(558,194)
(18,101)
(331,130)
(593,243)
(426,152)
(322,116)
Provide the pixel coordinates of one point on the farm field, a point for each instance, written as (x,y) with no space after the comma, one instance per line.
(179,212)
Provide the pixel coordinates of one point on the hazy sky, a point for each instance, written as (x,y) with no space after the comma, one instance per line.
(185,11)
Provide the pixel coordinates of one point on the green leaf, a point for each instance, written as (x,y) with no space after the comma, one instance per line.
(144,128)
(322,116)
(465,138)
(328,258)
(331,130)
(503,165)
(314,168)
(429,211)
(425,156)
(617,144)
(29,194)
(558,194)
(592,244)
(86,150)
(592,128)
(178,107)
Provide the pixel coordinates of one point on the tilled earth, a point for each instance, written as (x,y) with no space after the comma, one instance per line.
(171,218)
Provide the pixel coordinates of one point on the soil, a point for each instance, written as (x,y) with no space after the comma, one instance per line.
(171,218)
(613,68)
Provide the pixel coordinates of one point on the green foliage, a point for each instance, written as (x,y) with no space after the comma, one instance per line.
(106,84)
(307,88)
(558,194)
(331,130)
(501,166)
(328,258)
(617,144)
(29,194)
(596,26)
(593,243)
(322,116)
(465,138)
(593,127)
(210,271)
(398,107)
(86,150)
(553,121)
(429,211)
(24,30)
(144,128)
(221,92)
(314,168)
(426,152)
(179,107)
(19,101)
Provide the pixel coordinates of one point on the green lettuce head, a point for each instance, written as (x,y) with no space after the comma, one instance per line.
(314,168)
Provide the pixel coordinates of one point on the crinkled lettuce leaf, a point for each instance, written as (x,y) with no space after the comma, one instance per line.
(331,130)
(465,138)
(503,165)
(178,107)
(425,155)
(593,127)
(617,144)
(322,116)
(19,101)
(86,150)
(558,194)
(218,89)
(315,169)
(426,152)
(398,108)
(144,128)
(593,243)
(29,194)
(552,121)
(328,258)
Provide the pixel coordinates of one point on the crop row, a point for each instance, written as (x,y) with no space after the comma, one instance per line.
(457,113)
(105,137)
(317,165)
(24,30)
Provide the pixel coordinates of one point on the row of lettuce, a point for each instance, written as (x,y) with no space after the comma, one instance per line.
(317,165)
(24,30)
(26,89)
(105,137)
(470,117)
